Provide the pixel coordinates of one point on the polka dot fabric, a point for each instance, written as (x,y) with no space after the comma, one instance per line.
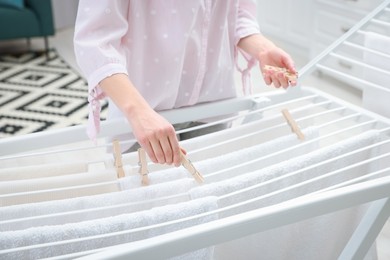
(177,53)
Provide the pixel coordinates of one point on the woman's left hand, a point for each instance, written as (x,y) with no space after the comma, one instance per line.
(275,56)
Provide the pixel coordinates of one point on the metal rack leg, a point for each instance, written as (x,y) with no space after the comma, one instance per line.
(367,230)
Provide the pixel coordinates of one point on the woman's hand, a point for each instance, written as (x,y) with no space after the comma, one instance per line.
(275,56)
(153,132)
(156,135)
(267,53)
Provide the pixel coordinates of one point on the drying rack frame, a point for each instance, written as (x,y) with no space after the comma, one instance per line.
(73,134)
(377,192)
(313,64)
(251,222)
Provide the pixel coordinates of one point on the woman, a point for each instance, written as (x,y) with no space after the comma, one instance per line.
(152,55)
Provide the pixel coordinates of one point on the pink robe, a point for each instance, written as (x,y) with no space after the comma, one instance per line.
(176,52)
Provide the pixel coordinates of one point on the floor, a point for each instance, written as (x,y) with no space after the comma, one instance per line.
(62,42)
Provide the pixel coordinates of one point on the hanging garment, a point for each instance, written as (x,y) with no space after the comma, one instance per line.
(47,234)
(167,183)
(318,238)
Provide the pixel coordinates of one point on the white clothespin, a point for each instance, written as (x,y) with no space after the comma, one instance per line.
(294,126)
(118,159)
(143,170)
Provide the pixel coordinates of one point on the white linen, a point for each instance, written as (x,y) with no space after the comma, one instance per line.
(162,185)
(319,238)
(47,234)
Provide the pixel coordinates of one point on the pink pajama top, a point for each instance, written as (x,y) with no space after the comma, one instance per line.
(176,52)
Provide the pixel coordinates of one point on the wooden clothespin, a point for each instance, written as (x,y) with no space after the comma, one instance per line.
(118,159)
(290,76)
(293,124)
(143,170)
(190,168)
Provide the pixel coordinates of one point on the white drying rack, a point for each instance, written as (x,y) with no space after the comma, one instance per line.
(348,52)
(251,222)
(296,100)
(299,209)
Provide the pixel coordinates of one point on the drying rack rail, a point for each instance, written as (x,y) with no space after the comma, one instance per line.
(361,60)
(177,243)
(58,137)
(349,50)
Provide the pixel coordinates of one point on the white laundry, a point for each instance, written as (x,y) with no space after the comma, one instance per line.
(284,238)
(235,158)
(59,193)
(54,182)
(101,200)
(321,237)
(303,233)
(166,183)
(86,229)
(41,171)
(314,229)
(242,181)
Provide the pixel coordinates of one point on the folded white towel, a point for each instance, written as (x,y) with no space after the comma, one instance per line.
(47,234)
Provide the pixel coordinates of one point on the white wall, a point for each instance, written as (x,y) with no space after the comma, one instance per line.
(64,12)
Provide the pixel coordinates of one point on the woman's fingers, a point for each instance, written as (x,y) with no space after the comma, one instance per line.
(176,156)
(163,147)
(283,81)
(167,150)
(149,150)
(267,77)
(278,78)
(275,80)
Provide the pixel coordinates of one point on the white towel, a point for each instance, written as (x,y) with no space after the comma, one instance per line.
(258,176)
(101,200)
(68,155)
(231,159)
(55,182)
(57,194)
(41,171)
(47,234)
(318,238)
(167,182)
(374,99)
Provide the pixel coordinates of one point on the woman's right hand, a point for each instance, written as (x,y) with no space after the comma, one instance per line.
(153,132)
(156,135)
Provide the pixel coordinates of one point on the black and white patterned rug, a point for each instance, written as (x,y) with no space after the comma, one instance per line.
(39,93)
